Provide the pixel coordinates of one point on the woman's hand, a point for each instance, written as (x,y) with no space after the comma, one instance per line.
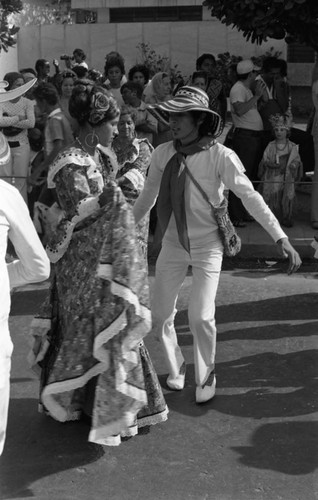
(289,252)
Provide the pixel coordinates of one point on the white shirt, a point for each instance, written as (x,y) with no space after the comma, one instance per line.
(251,120)
(31,266)
(214,169)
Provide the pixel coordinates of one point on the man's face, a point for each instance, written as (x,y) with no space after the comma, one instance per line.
(272,75)
(46,68)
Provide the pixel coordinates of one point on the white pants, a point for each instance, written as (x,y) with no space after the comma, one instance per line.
(20,168)
(171,270)
(5,366)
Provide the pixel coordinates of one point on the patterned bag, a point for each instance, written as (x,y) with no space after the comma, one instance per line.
(230,239)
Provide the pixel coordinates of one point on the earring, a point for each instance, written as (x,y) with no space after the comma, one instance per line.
(92,139)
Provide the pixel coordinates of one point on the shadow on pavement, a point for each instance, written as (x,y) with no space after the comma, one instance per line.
(286,447)
(262,333)
(38,446)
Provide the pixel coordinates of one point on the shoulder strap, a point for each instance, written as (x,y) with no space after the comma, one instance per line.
(195,182)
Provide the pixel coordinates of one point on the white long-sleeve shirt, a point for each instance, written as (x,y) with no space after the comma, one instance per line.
(32,264)
(214,169)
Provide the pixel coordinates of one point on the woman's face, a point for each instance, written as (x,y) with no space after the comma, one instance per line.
(67,87)
(126,127)
(107,131)
(200,83)
(166,85)
(138,77)
(183,127)
(114,76)
(18,83)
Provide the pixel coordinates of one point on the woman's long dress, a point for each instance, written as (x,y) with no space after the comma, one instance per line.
(87,341)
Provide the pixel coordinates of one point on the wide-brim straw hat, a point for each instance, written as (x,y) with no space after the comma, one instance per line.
(187,99)
(9,95)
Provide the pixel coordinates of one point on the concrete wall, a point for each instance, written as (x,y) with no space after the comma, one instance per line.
(8,61)
(183,42)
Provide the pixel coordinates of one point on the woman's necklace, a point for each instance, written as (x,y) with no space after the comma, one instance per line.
(279,150)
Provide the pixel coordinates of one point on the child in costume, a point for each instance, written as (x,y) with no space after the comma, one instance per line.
(279,170)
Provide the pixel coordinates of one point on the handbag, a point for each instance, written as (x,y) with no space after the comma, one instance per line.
(230,239)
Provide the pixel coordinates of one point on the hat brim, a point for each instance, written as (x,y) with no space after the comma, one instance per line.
(9,95)
(4,150)
(161,112)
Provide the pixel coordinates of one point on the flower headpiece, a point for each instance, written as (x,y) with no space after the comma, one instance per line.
(283,121)
(99,107)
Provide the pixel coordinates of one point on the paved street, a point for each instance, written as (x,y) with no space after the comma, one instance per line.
(257,440)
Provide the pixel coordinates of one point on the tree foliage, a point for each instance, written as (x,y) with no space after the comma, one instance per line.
(292,20)
(8,31)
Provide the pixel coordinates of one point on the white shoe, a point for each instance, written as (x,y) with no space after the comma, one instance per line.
(206,392)
(177,383)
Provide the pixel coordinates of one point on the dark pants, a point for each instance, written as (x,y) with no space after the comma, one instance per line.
(248,145)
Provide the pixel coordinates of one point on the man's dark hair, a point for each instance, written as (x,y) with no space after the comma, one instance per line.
(202,58)
(269,63)
(134,87)
(40,63)
(46,92)
(80,53)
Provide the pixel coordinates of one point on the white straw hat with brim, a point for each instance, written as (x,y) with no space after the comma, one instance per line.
(187,99)
(9,95)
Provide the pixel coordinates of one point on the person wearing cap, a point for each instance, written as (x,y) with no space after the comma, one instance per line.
(190,232)
(248,131)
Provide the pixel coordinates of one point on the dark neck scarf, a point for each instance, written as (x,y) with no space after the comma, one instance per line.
(171,193)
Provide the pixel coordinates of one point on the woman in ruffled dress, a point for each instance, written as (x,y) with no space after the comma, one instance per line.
(88,339)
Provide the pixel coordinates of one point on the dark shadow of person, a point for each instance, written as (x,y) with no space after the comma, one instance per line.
(38,446)
(286,447)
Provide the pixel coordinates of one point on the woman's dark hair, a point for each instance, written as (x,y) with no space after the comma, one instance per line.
(46,92)
(80,53)
(82,99)
(209,126)
(202,58)
(139,68)
(11,78)
(114,61)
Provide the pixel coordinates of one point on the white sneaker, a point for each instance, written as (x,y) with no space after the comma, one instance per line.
(177,383)
(206,392)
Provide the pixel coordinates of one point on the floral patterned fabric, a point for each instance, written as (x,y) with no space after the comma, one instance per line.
(87,340)
(134,162)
